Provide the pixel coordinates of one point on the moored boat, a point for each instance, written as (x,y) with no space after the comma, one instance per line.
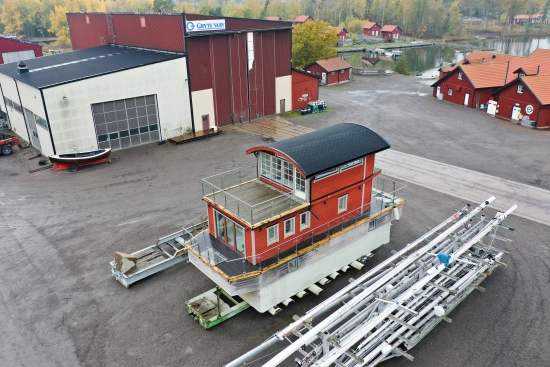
(80,157)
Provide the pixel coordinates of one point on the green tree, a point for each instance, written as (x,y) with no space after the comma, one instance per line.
(312,41)
(163,6)
(402,65)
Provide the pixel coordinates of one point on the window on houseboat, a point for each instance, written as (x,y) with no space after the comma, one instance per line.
(352,164)
(288,175)
(300,182)
(230,239)
(292,265)
(266,165)
(342,203)
(326,173)
(230,232)
(372,224)
(273,234)
(239,238)
(220,226)
(520,89)
(276,169)
(304,220)
(289,227)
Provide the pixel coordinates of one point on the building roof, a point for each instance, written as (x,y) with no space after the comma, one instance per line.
(389,28)
(308,73)
(369,25)
(333,64)
(538,85)
(302,18)
(324,149)
(339,29)
(69,67)
(273,18)
(19,41)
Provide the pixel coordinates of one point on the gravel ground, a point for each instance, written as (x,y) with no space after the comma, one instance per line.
(59,306)
(437,130)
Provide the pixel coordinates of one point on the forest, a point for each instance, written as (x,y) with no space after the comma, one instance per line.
(417,18)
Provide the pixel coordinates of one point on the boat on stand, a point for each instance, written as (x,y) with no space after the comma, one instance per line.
(79,159)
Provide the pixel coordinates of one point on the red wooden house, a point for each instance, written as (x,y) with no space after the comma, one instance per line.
(305,88)
(301,19)
(526,98)
(273,18)
(471,85)
(331,71)
(267,220)
(13,50)
(372,29)
(391,32)
(341,32)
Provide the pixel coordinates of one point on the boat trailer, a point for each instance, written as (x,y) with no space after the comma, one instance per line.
(388,310)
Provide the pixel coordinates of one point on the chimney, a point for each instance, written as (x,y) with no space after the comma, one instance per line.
(22,67)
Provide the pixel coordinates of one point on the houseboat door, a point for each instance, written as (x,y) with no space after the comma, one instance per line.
(466,99)
(516,110)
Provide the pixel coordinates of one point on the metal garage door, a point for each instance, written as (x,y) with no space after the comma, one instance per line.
(126,122)
(17,56)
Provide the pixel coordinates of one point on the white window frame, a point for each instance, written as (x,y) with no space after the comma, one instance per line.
(520,89)
(276,167)
(459,76)
(292,221)
(308,221)
(265,165)
(351,164)
(327,173)
(450,91)
(345,206)
(287,178)
(276,239)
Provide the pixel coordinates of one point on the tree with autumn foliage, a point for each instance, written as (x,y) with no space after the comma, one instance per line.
(312,41)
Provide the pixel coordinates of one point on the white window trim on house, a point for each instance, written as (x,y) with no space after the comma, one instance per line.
(342,203)
(307,224)
(289,177)
(273,239)
(351,164)
(459,76)
(520,89)
(450,91)
(327,173)
(289,231)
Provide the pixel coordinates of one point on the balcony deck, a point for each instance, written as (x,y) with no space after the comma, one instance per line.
(233,263)
(255,201)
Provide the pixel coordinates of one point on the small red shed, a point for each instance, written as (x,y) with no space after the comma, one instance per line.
(391,32)
(301,19)
(273,18)
(331,71)
(13,50)
(305,88)
(526,97)
(341,32)
(372,29)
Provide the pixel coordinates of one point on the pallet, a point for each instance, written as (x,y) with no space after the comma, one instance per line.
(209,309)
(186,138)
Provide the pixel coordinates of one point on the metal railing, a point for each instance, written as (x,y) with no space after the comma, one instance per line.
(380,201)
(215,188)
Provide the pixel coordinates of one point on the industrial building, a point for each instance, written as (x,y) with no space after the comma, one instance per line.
(14,50)
(228,70)
(101,97)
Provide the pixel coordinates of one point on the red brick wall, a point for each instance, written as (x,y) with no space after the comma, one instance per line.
(508,97)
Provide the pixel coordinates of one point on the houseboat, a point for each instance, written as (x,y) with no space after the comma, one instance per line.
(305,211)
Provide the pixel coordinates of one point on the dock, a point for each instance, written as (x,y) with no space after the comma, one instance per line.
(203,134)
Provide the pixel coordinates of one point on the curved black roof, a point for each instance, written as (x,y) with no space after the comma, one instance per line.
(324,149)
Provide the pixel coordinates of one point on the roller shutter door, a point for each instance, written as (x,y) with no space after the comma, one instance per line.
(126,122)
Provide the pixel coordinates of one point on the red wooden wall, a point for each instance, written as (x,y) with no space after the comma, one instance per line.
(508,97)
(543,119)
(303,84)
(370,32)
(338,76)
(459,87)
(12,45)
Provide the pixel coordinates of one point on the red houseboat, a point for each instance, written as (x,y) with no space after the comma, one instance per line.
(306,210)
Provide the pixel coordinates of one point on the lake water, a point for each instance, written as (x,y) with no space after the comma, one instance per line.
(428,57)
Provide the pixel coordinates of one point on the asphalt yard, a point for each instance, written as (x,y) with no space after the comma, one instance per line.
(59,305)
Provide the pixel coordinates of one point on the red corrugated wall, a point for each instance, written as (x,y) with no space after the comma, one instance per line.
(283,41)
(221,81)
(88,30)
(269,54)
(239,77)
(303,84)
(161,31)
(8,45)
(508,97)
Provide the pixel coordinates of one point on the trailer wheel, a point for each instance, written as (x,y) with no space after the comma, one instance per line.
(7,150)
(73,168)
